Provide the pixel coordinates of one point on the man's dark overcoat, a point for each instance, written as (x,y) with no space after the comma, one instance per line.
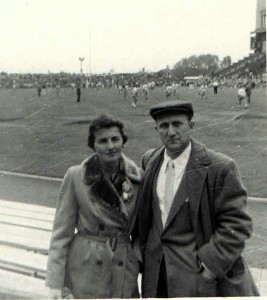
(212,188)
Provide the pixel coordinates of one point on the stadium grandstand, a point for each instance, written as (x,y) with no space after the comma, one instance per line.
(254,65)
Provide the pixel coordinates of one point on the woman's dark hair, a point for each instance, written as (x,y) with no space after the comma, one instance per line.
(104,121)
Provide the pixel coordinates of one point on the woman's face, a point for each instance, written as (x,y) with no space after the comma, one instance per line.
(108,144)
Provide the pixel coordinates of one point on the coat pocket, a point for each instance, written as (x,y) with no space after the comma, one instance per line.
(238,282)
(206,287)
(85,268)
(79,252)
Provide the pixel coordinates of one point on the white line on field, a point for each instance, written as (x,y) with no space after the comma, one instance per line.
(31,176)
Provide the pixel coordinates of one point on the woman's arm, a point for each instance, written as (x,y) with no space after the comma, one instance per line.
(63,231)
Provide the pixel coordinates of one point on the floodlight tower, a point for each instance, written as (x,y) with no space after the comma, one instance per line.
(81,59)
(89,58)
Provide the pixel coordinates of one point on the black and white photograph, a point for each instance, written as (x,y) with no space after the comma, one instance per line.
(133,149)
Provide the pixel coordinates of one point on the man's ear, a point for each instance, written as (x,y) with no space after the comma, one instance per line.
(192,124)
(156,127)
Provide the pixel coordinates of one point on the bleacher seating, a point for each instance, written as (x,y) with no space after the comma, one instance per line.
(255,63)
(24,241)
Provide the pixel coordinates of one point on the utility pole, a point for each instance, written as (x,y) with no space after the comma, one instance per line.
(89,59)
(81,59)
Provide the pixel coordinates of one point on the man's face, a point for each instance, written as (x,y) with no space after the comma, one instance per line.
(174,131)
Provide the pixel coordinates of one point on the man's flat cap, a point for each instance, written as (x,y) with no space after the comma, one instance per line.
(179,106)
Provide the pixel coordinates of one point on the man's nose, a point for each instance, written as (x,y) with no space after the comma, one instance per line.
(171,130)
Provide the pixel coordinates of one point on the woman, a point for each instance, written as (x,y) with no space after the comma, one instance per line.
(98,198)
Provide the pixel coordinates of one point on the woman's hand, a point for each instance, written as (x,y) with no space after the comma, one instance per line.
(55,294)
(66,293)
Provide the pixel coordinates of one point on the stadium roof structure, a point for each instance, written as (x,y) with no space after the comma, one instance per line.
(259,30)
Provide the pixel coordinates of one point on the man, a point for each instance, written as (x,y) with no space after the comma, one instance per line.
(248,92)
(203,92)
(125,91)
(135,96)
(39,90)
(174,88)
(78,92)
(58,89)
(241,93)
(168,92)
(192,222)
(215,87)
(145,91)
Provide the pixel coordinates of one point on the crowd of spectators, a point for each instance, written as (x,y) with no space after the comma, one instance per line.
(63,80)
(69,80)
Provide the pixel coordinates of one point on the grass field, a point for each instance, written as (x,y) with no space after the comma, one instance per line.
(45,135)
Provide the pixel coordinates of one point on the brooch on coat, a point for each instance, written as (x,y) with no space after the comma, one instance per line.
(126,189)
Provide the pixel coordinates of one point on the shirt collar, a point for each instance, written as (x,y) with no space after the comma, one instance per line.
(180,161)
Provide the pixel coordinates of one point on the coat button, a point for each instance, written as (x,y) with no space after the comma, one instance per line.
(120,264)
(99,263)
(159,260)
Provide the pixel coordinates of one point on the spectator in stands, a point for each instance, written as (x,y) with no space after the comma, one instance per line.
(98,199)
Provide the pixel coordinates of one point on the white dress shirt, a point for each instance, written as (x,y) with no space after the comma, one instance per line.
(180,164)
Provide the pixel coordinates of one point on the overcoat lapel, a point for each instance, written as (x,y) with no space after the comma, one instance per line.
(146,211)
(196,178)
(178,201)
(196,175)
(155,203)
(152,173)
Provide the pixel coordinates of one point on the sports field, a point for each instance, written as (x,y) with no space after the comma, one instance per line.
(45,135)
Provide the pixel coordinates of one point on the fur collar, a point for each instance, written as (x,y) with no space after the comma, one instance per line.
(92,171)
(103,190)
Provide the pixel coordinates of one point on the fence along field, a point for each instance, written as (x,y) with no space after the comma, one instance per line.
(45,135)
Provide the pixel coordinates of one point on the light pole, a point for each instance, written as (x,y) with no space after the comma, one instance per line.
(81,59)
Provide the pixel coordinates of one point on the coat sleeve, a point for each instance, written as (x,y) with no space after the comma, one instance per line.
(232,224)
(63,231)
(145,158)
(149,155)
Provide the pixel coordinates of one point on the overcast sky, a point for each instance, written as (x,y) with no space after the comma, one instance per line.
(124,35)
